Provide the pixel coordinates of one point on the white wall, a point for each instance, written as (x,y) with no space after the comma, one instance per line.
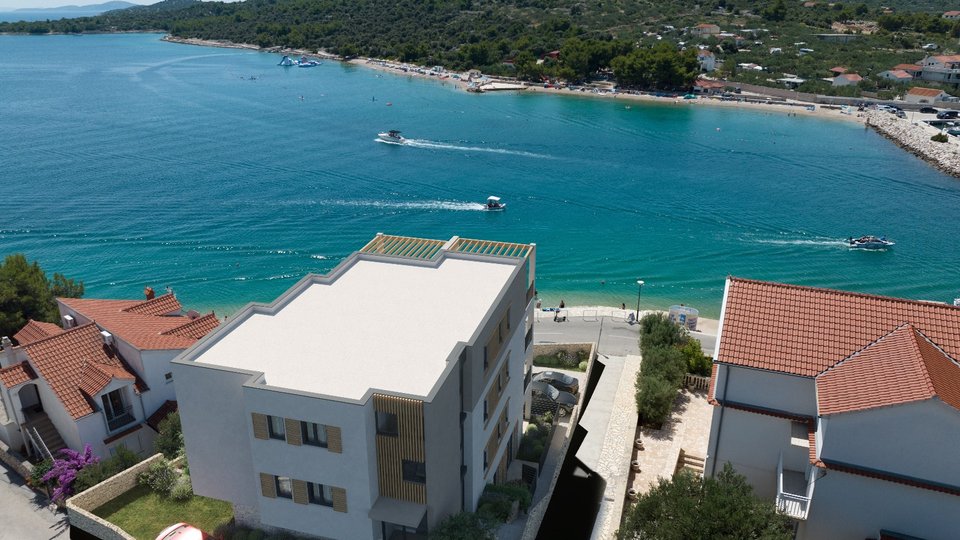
(156,364)
(752,443)
(441,432)
(216,433)
(777,391)
(352,469)
(848,506)
(61,419)
(916,439)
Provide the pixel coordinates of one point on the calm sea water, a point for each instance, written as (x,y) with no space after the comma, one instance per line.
(16,16)
(126,161)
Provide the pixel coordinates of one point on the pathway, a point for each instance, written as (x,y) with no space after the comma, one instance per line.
(23,513)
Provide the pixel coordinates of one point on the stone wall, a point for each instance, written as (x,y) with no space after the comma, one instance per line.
(915,138)
(16,462)
(81,505)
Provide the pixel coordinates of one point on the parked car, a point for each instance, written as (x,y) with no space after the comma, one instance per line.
(901,114)
(929,110)
(565,401)
(560,381)
(183,531)
(947,115)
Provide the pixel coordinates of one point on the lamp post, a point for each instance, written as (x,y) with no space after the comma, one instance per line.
(639,288)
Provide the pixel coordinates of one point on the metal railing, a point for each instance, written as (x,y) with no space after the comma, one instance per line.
(791,504)
(118,421)
(38,443)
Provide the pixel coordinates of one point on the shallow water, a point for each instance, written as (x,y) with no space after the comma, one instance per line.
(127,161)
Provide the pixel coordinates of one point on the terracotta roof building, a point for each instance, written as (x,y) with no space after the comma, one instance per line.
(35,330)
(811,381)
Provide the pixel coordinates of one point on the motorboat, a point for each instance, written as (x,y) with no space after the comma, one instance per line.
(392,136)
(870,242)
(493,203)
(305,63)
(286,62)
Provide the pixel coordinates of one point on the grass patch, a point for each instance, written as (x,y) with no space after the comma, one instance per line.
(575,360)
(143,513)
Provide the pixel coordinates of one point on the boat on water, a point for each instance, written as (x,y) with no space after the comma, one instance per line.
(493,203)
(306,63)
(392,136)
(870,242)
(286,62)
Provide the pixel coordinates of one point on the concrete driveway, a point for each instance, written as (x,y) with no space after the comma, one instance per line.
(23,513)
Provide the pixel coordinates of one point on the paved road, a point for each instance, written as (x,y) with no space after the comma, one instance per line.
(23,515)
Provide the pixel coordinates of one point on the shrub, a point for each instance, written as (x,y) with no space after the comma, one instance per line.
(169,441)
(39,470)
(657,329)
(654,399)
(940,137)
(464,526)
(122,460)
(160,477)
(495,507)
(514,492)
(583,366)
(182,489)
(665,362)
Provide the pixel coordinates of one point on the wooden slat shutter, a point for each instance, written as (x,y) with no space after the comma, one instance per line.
(260,430)
(292,427)
(339,499)
(300,492)
(334,442)
(268,485)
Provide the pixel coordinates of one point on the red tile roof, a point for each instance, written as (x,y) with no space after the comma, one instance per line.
(927,92)
(17,374)
(712,391)
(804,330)
(169,407)
(900,73)
(947,58)
(145,325)
(901,367)
(906,67)
(35,330)
(76,365)
(838,69)
(854,77)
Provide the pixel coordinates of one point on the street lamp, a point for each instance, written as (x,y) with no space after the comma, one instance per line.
(639,288)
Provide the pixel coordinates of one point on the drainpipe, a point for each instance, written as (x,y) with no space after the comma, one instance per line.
(716,444)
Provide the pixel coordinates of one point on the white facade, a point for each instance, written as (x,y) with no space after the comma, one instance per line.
(447,348)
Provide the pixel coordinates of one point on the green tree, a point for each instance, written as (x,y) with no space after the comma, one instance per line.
(667,362)
(464,526)
(169,440)
(657,329)
(26,293)
(655,396)
(687,507)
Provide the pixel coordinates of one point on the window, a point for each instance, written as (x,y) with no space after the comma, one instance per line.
(486,362)
(320,494)
(168,377)
(277,429)
(314,434)
(284,487)
(486,412)
(116,410)
(387,424)
(485,462)
(415,471)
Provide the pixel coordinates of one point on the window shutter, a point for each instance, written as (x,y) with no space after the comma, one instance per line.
(260,430)
(300,492)
(339,499)
(294,435)
(334,443)
(268,486)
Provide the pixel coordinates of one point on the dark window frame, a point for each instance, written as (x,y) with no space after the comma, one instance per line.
(414,471)
(280,492)
(280,435)
(321,499)
(310,434)
(390,425)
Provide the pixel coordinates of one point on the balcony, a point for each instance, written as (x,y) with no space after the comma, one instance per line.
(119,418)
(794,491)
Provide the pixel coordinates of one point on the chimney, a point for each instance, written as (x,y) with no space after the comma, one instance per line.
(148,292)
(7,354)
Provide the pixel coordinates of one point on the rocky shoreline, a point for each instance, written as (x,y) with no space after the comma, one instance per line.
(915,138)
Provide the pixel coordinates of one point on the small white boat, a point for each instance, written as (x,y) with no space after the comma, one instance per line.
(286,62)
(870,242)
(392,136)
(305,63)
(493,203)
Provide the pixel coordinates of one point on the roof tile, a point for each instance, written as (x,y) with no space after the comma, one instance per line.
(34,330)
(17,374)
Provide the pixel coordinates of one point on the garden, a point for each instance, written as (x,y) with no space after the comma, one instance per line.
(572,357)
(536,439)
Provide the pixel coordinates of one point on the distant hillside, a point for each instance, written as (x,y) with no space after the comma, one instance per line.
(92,8)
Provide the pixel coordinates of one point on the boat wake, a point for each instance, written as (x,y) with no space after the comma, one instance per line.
(825,242)
(420,143)
(457,206)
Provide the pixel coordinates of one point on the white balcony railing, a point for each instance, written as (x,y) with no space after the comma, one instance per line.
(794,499)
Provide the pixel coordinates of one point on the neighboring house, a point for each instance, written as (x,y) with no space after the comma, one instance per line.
(921,95)
(952,15)
(896,75)
(844,408)
(943,69)
(708,87)
(708,61)
(847,79)
(705,30)
(370,402)
(96,381)
(838,70)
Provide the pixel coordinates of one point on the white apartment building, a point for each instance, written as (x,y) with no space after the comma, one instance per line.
(844,408)
(941,68)
(371,402)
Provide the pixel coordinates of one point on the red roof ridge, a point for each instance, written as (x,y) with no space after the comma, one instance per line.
(196,328)
(67,331)
(158,306)
(839,292)
(34,330)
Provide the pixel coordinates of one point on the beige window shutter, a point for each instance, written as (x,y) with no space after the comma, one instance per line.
(260,430)
(334,443)
(300,492)
(339,499)
(268,485)
(294,436)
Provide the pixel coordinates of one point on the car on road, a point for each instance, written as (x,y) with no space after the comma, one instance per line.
(565,401)
(929,110)
(560,381)
(947,115)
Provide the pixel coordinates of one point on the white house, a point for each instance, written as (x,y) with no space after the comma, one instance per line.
(941,68)
(896,75)
(705,29)
(847,79)
(844,408)
(99,381)
(922,95)
(371,402)
(708,61)
(952,15)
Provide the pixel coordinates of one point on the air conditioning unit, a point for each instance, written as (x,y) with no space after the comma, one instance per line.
(107,338)
(69,321)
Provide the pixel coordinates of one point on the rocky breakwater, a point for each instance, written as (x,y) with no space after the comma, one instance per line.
(916,139)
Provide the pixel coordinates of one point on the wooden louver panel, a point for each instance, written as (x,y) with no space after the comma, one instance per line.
(300,492)
(408,444)
(339,496)
(260,430)
(334,441)
(268,485)
(294,435)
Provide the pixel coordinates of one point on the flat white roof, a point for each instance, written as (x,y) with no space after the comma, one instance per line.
(388,325)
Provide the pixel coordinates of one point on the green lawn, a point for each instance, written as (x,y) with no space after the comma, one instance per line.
(143,513)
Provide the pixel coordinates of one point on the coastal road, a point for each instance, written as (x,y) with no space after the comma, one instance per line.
(23,514)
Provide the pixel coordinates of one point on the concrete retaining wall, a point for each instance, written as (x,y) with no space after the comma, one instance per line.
(81,505)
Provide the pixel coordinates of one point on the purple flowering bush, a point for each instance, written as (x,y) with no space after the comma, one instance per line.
(64,471)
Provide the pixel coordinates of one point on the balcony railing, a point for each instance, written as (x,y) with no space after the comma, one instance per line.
(791,503)
(117,421)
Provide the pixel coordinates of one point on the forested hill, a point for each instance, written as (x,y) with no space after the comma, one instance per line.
(489,34)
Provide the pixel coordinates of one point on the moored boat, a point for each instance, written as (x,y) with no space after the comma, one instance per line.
(493,203)
(870,242)
(305,63)
(392,136)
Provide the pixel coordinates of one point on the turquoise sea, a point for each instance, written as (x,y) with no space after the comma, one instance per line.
(126,161)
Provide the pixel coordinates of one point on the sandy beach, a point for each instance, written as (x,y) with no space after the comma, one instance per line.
(704,325)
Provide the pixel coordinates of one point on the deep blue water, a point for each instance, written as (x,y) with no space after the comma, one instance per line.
(127,161)
(16,16)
